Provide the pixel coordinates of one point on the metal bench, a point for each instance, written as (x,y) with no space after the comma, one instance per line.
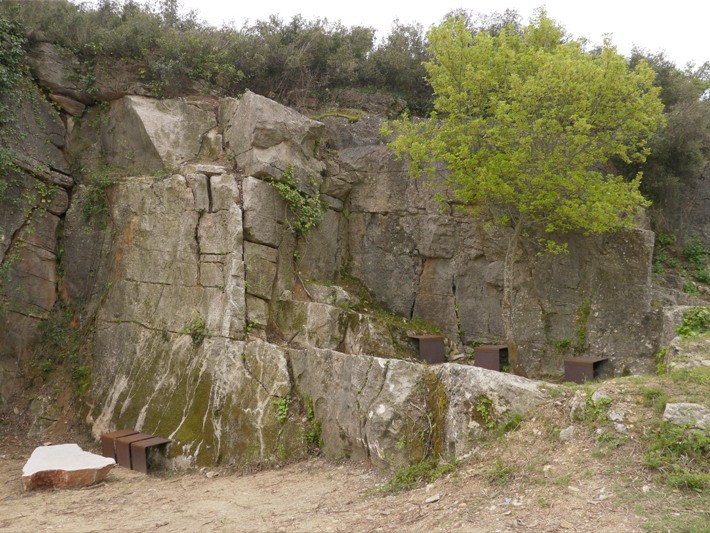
(581,369)
(134,450)
(430,348)
(492,357)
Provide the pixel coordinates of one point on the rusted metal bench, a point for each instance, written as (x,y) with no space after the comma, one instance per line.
(581,369)
(492,357)
(132,449)
(430,348)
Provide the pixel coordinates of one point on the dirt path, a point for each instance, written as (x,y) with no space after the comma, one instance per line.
(315,495)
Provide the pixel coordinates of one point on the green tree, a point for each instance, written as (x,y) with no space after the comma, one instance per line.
(526,122)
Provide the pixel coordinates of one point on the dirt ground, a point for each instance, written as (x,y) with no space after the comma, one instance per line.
(317,495)
(310,496)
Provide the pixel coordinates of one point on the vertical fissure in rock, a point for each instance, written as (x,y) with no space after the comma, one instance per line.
(208,180)
(457,316)
(200,214)
(419,282)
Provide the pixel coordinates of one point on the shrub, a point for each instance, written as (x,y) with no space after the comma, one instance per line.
(696,253)
(307,210)
(696,320)
(196,329)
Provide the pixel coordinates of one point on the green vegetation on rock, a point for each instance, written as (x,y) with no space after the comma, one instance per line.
(307,210)
(196,329)
(696,320)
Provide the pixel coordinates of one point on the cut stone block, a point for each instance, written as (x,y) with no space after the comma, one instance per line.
(64,466)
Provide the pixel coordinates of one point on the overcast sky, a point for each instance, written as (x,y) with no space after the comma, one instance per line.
(680,27)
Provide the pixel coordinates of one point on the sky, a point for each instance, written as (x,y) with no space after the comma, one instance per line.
(680,28)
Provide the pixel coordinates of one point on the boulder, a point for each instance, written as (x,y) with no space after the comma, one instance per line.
(264,212)
(362,404)
(688,414)
(58,70)
(68,105)
(144,135)
(267,139)
(64,466)
(477,397)
(311,324)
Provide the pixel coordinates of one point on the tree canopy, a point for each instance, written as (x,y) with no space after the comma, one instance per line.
(526,122)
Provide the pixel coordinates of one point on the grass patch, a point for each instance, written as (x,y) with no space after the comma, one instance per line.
(352,115)
(681,455)
(412,476)
(654,397)
(501,473)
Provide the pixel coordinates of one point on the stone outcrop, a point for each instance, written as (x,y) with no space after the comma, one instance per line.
(267,139)
(688,414)
(211,322)
(143,135)
(64,466)
(33,199)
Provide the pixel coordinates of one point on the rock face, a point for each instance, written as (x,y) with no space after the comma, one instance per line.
(33,199)
(64,466)
(268,139)
(211,322)
(143,135)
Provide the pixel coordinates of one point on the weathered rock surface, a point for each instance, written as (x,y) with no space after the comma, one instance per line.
(165,245)
(33,197)
(267,139)
(143,135)
(64,466)
(59,71)
(688,414)
(374,408)
(217,326)
(448,268)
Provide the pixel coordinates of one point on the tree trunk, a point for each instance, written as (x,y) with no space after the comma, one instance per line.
(507,304)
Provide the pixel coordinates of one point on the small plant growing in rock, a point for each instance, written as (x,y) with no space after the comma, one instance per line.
(597,409)
(312,433)
(484,408)
(196,329)
(282,409)
(308,211)
(96,201)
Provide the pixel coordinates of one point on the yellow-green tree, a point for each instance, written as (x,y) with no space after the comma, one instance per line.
(526,123)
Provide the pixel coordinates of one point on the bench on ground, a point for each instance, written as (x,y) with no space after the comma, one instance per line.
(134,450)
(430,348)
(492,357)
(581,369)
